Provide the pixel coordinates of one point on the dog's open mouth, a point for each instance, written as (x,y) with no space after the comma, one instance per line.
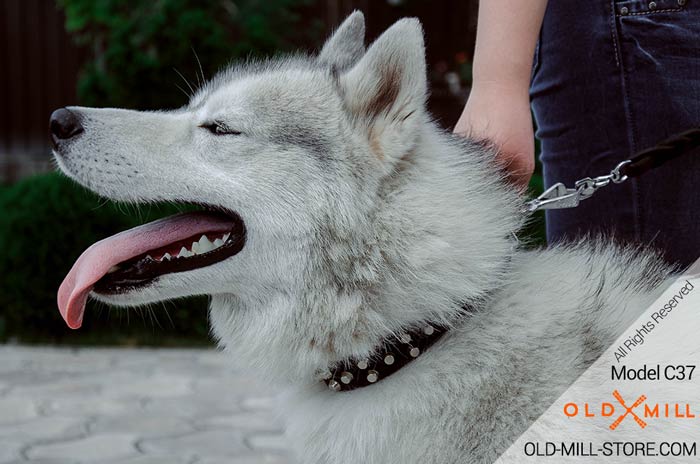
(136,257)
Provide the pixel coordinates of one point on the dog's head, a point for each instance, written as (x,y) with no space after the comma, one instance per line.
(302,166)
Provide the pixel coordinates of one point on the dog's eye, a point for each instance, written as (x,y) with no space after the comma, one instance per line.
(217,128)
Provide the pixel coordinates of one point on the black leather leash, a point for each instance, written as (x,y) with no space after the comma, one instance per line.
(559,196)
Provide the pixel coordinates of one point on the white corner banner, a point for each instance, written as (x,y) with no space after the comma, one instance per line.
(639,402)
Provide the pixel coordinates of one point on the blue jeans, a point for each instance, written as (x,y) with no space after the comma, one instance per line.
(610,78)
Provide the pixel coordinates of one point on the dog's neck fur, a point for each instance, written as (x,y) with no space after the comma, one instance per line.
(400,267)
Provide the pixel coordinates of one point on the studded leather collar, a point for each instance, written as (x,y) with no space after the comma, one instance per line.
(389,358)
(394,354)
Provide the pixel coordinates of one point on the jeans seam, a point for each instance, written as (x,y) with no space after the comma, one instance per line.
(631,126)
(651,12)
(613,33)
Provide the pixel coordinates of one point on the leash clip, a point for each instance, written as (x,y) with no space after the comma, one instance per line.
(558,196)
(555,197)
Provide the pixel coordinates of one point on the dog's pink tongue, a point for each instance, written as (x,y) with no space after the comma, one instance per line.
(97,260)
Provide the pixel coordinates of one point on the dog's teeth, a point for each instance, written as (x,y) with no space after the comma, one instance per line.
(166,257)
(195,248)
(225,237)
(205,245)
(113,269)
(150,257)
(184,253)
(218,242)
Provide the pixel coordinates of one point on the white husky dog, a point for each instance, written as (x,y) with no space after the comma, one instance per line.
(357,256)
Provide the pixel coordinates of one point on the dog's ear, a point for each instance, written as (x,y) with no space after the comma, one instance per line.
(347,45)
(386,90)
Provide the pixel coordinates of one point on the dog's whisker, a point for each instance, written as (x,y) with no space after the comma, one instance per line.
(201,71)
(187,82)
(183,91)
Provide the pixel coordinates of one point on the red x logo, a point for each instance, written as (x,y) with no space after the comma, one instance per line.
(628,410)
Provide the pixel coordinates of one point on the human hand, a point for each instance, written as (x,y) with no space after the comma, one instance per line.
(500,113)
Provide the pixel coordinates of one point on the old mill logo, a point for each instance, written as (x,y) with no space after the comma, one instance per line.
(640,410)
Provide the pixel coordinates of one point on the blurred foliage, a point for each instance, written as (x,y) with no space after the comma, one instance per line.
(46,224)
(135,46)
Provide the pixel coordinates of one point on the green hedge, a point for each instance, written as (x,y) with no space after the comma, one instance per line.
(46,221)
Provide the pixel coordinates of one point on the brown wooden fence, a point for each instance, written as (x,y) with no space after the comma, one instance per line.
(39,65)
(39,70)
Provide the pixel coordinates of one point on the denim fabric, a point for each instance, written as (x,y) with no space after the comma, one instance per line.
(610,78)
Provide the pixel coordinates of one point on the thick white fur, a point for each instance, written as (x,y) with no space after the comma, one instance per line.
(365,219)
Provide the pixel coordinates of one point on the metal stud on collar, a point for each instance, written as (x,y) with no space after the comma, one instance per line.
(334,385)
(372,376)
(346,377)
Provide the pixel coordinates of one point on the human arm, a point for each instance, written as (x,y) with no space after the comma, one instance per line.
(498,108)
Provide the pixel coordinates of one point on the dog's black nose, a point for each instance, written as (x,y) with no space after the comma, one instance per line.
(64,124)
